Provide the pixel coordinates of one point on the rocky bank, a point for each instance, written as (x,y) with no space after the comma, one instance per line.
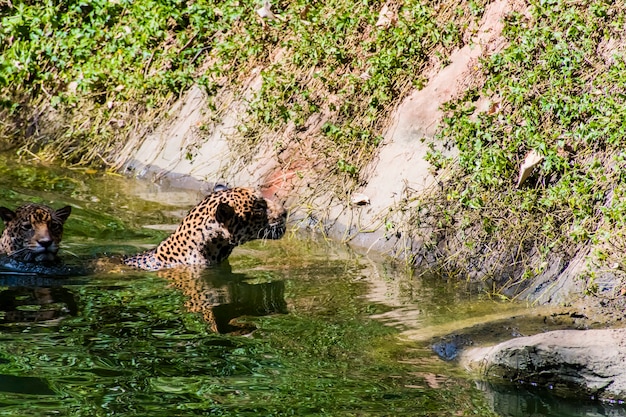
(584,364)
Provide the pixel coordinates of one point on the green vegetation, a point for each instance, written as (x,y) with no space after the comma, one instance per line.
(77,78)
(557,89)
(335,60)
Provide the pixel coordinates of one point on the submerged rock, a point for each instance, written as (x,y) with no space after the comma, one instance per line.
(578,363)
(449,347)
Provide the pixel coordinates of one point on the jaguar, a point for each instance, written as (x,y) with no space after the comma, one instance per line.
(211,230)
(32,232)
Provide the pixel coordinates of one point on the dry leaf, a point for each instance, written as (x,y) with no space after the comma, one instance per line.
(432,380)
(494,107)
(359,199)
(386,17)
(530,162)
(266,11)
(72,87)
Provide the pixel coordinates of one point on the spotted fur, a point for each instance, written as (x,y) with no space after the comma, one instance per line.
(213,228)
(32,232)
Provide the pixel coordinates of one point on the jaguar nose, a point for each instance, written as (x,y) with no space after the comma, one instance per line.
(45,243)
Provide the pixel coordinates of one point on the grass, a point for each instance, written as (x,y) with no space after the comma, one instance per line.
(336,61)
(78,79)
(557,89)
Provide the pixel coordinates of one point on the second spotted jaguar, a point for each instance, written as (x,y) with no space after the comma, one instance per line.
(214,227)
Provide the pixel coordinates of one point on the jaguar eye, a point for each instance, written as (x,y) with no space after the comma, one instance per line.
(27,226)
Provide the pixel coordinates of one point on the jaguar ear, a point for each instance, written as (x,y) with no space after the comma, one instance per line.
(224,213)
(6,214)
(63,213)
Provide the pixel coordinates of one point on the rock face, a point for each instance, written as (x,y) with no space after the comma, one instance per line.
(590,363)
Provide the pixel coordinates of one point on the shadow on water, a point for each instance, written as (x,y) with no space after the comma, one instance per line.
(24,385)
(222,297)
(35,293)
(522,401)
(36,305)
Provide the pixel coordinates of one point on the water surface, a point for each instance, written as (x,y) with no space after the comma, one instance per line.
(292,327)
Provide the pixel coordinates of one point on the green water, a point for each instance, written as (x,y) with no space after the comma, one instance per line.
(335,334)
